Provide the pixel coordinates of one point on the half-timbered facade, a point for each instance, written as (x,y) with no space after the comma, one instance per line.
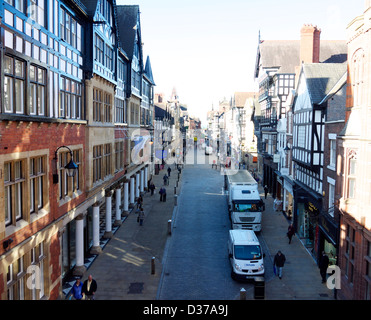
(275,73)
(317,83)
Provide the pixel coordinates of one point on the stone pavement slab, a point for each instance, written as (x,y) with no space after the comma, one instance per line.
(124,269)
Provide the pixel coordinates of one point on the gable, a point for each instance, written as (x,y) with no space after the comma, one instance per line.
(302,100)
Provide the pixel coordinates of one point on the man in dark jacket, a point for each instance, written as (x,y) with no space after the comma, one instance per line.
(323,265)
(278,262)
(89,288)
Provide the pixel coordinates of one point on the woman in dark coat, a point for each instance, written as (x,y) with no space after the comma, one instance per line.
(290,232)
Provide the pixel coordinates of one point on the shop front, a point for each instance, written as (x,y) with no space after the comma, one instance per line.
(288,198)
(306,218)
(328,238)
(270,175)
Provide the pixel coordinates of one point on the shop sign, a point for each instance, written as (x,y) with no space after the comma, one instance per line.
(312,208)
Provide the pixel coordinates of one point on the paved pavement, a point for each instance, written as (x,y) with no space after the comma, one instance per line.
(301,279)
(124,270)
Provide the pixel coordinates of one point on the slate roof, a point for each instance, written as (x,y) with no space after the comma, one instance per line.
(285,54)
(148,71)
(127,17)
(324,79)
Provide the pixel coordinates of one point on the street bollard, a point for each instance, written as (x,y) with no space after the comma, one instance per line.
(174,190)
(242,294)
(175,200)
(169,227)
(153,265)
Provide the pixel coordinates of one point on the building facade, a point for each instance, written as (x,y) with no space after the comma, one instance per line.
(313,212)
(66,86)
(353,166)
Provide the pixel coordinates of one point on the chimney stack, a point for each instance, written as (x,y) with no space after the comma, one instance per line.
(309,44)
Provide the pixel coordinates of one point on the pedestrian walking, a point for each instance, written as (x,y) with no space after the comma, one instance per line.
(164,195)
(290,232)
(168,171)
(265,191)
(89,288)
(161,192)
(141,217)
(76,291)
(140,202)
(166,179)
(323,265)
(279,262)
(152,187)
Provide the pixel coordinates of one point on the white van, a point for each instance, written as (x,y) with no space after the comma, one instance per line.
(245,255)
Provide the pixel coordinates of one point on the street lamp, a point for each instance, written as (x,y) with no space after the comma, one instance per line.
(70,166)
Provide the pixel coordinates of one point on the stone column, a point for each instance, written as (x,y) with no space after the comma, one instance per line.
(126,199)
(108,234)
(96,249)
(118,221)
(142,182)
(146,178)
(137,185)
(80,267)
(132,191)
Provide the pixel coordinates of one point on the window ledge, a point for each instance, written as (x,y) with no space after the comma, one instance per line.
(9,230)
(66,199)
(331,167)
(35,216)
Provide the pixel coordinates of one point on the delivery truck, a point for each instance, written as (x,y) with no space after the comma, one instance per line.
(245,205)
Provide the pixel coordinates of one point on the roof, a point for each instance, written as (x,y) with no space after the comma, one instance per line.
(243,236)
(285,54)
(148,71)
(241,97)
(127,19)
(324,79)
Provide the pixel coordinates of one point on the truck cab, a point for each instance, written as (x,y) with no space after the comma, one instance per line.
(244,203)
(245,255)
(246,208)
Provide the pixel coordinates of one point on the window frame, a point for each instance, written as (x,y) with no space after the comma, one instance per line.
(15,99)
(15,190)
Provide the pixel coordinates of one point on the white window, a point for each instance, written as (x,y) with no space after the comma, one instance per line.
(333,153)
(331,199)
(352,178)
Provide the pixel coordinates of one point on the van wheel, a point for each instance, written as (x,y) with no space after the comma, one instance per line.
(233,276)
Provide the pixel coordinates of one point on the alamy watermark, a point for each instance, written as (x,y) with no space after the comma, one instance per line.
(333,281)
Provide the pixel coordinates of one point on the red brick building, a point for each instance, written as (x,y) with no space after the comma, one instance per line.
(353,166)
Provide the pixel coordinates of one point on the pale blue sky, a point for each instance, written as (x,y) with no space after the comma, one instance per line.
(207,48)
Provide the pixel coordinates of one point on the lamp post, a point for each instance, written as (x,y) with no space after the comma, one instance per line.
(70,166)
